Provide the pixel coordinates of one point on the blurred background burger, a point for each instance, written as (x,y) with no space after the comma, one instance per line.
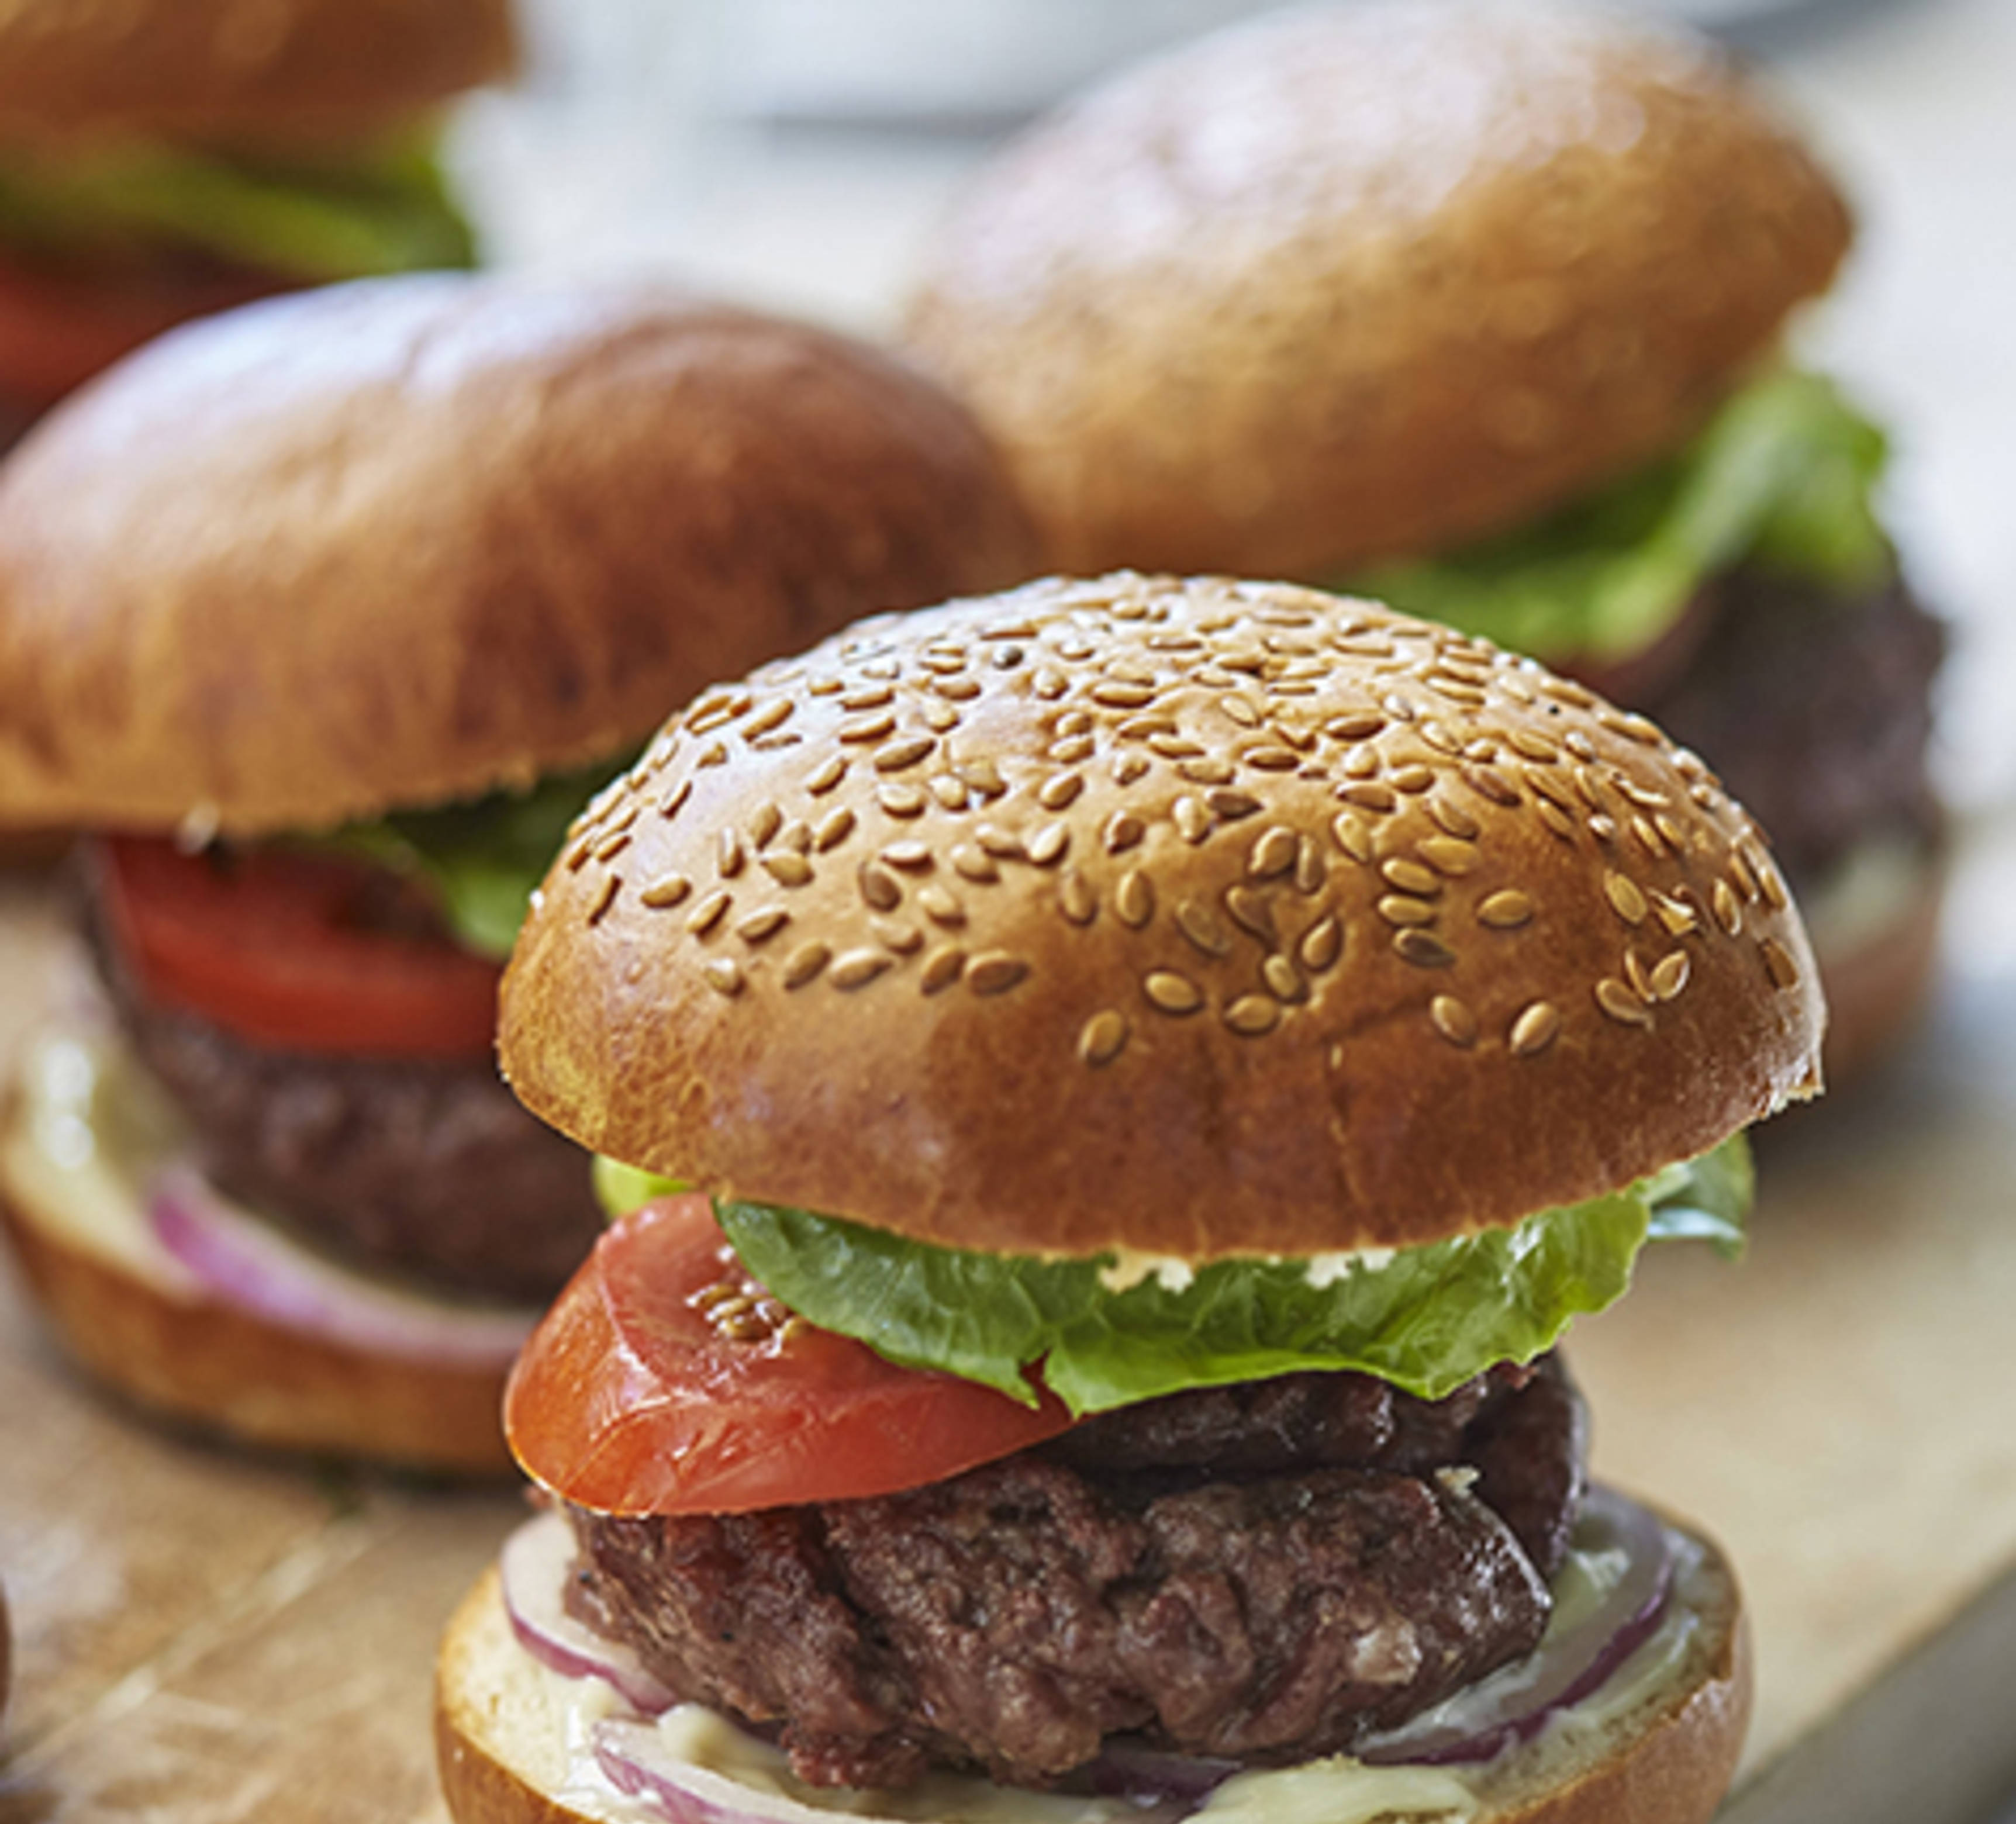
(164,160)
(1483,308)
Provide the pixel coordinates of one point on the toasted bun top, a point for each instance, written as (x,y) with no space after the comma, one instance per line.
(397,543)
(1200,919)
(1358,281)
(226,69)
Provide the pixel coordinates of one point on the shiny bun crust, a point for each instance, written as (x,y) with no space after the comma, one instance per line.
(1363,281)
(226,1372)
(1666,1761)
(221,69)
(1198,918)
(400,541)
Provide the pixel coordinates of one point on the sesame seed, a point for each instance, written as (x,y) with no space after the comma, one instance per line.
(902,938)
(614,847)
(1534,1029)
(1556,820)
(863,728)
(1399,908)
(983,776)
(764,825)
(939,904)
(1411,877)
(1272,853)
(1453,1021)
(995,972)
(949,792)
(668,806)
(1073,749)
(723,974)
(1654,843)
(1207,772)
(1778,960)
(907,855)
(1230,804)
(1134,899)
(855,968)
(1678,919)
(1360,725)
(1669,975)
(1283,983)
(1488,781)
(1423,948)
(974,864)
(1172,993)
(1412,779)
(942,968)
(1102,1038)
(1004,845)
(805,962)
(709,912)
(1311,871)
(1638,975)
(1202,925)
(1075,896)
(1454,819)
(1371,795)
(1112,693)
(1728,913)
(834,827)
(728,845)
(1192,819)
(876,697)
(899,754)
(666,892)
(1253,1016)
(829,775)
(788,868)
(1603,829)
(879,887)
(1506,910)
(765,922)
(1057,792)
(605,897)
(1049,843)
(1352,837)
(1322,944)
(1616,1000)
(1625,898)
(1449,854)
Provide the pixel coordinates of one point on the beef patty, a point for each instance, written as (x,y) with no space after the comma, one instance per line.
(1815,707)
(1269,1571)
(428,1167)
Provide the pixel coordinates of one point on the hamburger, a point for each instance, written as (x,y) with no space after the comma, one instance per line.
(1132,1101)
(162,159)
(1481,309)
(327,616)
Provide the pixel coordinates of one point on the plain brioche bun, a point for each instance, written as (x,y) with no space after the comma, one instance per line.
(224,69)
(401,541)
(1195,918)
(1666,1758)
(1357,281)
(201,1362)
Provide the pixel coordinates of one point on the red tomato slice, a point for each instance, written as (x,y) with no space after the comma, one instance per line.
(276,947)
(58,329)
(632,1399)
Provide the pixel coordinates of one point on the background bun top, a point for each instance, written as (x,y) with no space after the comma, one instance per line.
(1358,281)
(241,69)
(1203,918)
(394,543)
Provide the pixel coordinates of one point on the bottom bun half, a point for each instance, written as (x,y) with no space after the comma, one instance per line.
(232,1373)
(288,1350)
(1657,1744)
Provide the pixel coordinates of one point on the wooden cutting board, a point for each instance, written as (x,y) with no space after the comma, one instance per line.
(202,1636)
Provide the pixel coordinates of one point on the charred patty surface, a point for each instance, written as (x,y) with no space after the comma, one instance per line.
(1270,1571)
(1815,706)
(427,1169)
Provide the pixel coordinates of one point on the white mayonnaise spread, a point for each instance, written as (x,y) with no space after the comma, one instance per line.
(1129,1269)
(1326,1270)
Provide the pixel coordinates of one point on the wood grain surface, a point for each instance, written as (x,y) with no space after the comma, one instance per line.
(204,1636)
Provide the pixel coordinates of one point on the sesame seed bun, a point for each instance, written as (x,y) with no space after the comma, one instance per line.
(1354,281)
(1199,918)
(397,543)
(223,69)
(1666,1758)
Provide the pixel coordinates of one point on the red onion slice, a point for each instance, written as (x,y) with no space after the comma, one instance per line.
(1632,1545)
(249,1263)
(636,1761)
(533,1567)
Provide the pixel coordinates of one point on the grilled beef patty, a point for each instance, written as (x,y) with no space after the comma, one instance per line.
(429,1168)
(1269,1571)
(1815,708)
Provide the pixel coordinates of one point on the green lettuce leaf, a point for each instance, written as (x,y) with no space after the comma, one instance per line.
(1425,1319)
(385,209)
(481,860)
(1783,476)
(620,1189)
